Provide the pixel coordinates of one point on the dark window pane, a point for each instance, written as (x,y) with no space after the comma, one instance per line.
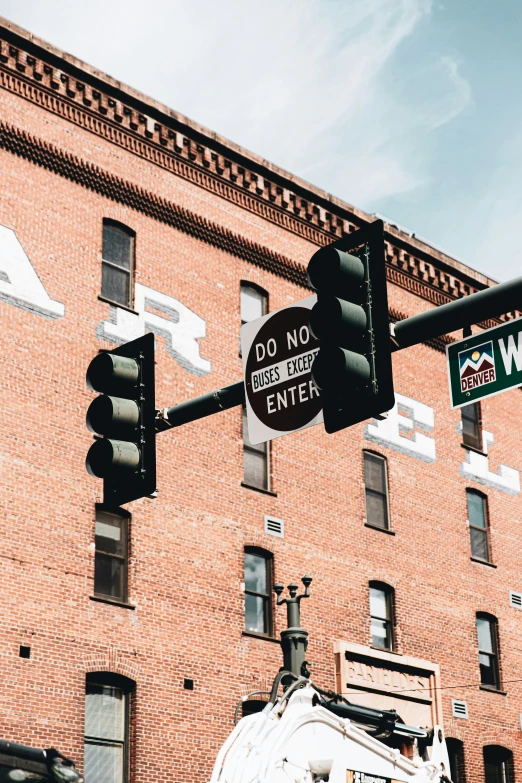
(108,573)
(252,706)
(476,510)
(471,434)
(255,615)
(117,247)
(498,764)
(376,509)
(456,760)
(374,473)
(487,670)
(116,285)
(479,544)
(255,573)
(497,772)
(487,644)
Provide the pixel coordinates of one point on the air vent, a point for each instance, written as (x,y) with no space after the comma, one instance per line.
(515,599)
(459,709)
(274,527)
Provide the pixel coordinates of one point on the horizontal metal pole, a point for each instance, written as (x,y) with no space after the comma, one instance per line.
(469,310)
(199,407)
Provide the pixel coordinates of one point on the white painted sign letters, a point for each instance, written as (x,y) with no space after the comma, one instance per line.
(19,283)
(476,468)
(400,430)
(166,317)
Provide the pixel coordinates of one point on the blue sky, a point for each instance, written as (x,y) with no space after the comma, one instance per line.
(409,108)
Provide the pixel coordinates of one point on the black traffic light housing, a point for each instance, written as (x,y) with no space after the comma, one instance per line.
(124,414)
(353,369)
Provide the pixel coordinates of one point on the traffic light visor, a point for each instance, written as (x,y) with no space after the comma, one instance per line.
(333,271)
(108,371)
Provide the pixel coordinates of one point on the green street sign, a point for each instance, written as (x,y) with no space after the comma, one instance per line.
(485,364)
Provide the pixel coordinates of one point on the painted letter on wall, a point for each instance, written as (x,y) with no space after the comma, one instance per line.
(167,318)
(403,420)
(476,468)
(19,283)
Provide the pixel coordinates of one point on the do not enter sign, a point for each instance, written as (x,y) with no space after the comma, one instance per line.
(278,351)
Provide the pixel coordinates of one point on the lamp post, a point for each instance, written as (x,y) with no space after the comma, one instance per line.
(294,639)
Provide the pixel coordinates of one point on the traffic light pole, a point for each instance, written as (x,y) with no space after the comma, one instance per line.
(199,407)
(460,314)
(498,299)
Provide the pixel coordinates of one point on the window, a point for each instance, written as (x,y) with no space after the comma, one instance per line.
(258,591)
(110,561)
(456,760)
(254,304)
(498,764)
(471,426)
(488,650)
(117,263)
(107,708)
(253,706)
(478,525)
(253,301)
(376,488)
(381,614)
(255,460)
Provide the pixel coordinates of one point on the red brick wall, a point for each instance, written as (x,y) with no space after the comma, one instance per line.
(187,545)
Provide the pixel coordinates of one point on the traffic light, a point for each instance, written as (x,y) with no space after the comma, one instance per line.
(124,414)
(353,368)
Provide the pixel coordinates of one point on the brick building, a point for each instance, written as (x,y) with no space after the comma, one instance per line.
(140,629)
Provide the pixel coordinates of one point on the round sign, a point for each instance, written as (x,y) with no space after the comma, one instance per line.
(278,380)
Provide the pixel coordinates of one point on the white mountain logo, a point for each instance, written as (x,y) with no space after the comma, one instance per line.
(476,367)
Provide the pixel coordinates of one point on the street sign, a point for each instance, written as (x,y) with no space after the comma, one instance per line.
(485,364)
(278,351)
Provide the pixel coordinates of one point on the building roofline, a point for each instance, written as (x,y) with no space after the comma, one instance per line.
(199,132)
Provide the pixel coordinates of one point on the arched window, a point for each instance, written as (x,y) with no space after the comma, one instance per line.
(478,525)
(487,636)
(253,302)
(382,615)
(456,760)
(107,719)
(258,591)
(498,765)
(117,263)
(376,490)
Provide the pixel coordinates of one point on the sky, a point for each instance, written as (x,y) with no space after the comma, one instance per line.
(407,108)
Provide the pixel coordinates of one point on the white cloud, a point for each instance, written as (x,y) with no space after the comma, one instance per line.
(304,83)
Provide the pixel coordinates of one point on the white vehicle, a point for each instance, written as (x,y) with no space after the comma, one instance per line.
(308,734)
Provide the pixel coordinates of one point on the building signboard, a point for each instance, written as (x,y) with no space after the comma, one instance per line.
(384,680)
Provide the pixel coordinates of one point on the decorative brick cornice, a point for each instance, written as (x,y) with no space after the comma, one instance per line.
(61,87)
(165,144)
(94,178)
